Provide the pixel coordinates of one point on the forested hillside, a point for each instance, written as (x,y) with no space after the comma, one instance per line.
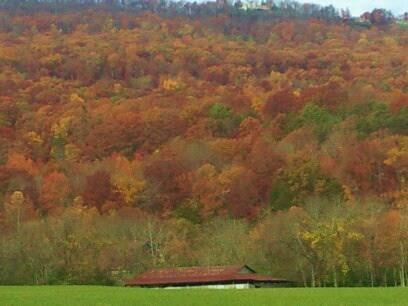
(132,139)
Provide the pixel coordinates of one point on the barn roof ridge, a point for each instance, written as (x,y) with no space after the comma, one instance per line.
(199,275)
(235,266)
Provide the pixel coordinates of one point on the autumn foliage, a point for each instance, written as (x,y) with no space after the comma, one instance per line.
(195,122)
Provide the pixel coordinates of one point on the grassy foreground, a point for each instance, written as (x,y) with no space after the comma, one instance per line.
(104,296)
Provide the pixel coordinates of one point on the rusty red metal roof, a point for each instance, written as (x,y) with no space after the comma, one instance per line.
(200,275)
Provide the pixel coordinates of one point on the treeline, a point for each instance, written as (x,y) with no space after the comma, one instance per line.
(253,10)
(325,243)
(268,9)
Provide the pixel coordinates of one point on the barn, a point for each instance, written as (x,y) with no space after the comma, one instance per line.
(217,277)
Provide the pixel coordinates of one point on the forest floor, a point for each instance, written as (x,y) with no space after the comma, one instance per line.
(104,296)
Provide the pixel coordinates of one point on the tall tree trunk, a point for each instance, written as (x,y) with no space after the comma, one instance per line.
(313,278)
(335,277)
(152,251)
(371,274)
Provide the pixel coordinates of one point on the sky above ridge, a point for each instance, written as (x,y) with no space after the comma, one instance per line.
(357,7)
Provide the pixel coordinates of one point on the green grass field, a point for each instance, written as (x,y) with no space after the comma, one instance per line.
(104,296)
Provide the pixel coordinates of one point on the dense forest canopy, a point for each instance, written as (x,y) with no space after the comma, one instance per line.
(202,134)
